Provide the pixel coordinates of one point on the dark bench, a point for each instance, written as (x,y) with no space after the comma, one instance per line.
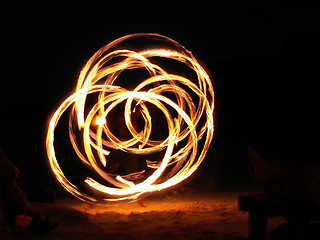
(262,206)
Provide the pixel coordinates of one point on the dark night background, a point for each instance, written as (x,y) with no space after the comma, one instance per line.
(263,57)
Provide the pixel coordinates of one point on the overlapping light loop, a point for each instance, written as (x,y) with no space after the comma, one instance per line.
(186,104)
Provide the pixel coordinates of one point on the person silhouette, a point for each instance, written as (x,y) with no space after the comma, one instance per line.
(14,207)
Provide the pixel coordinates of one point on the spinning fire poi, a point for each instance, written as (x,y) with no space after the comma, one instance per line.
(183,107)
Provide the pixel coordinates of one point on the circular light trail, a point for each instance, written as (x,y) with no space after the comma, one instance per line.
(186,106)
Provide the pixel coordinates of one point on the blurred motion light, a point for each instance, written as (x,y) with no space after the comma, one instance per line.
(187,106)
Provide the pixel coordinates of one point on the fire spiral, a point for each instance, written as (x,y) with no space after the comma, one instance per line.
(130,118)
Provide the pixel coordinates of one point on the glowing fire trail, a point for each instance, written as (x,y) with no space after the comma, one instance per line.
(186,126)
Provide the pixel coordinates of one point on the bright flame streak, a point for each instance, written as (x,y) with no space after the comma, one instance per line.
(100,121)
(184,161)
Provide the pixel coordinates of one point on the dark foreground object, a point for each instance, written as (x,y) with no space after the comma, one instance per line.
(300,217)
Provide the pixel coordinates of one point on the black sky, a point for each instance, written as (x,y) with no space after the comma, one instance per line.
(263,57)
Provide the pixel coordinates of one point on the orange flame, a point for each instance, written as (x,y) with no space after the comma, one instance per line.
(186,127)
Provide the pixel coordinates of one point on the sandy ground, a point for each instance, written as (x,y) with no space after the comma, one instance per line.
(177,215)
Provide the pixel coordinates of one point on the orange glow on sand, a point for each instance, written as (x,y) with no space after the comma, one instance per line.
(188,120)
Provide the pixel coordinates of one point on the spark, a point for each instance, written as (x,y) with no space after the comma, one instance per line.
(189,121)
